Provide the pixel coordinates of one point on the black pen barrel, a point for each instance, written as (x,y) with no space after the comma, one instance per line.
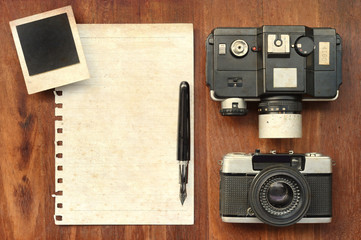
(183,149)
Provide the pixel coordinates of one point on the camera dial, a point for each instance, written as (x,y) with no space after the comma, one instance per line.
(233,107)
(239,48)
(304,46)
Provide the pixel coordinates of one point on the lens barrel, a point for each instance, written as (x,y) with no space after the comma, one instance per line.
(279,196)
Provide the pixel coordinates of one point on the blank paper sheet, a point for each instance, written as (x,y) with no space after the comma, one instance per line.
(116,134)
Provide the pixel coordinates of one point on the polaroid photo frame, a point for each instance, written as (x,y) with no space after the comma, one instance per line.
(49,49)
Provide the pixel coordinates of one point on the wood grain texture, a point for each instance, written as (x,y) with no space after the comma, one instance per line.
(333,128)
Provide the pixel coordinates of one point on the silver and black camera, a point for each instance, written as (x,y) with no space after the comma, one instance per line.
(280,66)
(277,189)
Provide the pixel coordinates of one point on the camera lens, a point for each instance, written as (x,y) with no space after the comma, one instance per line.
(279,196)
(280,117)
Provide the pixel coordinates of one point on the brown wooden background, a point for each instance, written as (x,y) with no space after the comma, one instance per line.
(332,128)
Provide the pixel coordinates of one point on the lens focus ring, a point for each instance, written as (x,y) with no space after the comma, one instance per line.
(279,106)
(279,195)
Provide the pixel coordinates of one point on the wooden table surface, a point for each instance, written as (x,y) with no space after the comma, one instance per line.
(332,128)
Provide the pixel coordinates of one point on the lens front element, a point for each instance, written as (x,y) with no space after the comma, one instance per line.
(279,194)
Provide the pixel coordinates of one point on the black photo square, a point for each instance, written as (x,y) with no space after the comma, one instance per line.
(47,44)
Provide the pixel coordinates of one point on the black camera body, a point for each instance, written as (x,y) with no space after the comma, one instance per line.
(277,189)
(277,65)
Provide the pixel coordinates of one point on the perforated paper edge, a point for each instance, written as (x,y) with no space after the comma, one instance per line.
(58,195)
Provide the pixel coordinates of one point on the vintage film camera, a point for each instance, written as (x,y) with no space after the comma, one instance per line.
(280,66)
(277,189)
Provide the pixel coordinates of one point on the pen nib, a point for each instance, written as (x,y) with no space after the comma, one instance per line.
(183,193)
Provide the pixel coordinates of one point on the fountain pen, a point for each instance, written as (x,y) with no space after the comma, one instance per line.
(183,146)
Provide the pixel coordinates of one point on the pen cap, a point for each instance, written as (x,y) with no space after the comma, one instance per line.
(183,149)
